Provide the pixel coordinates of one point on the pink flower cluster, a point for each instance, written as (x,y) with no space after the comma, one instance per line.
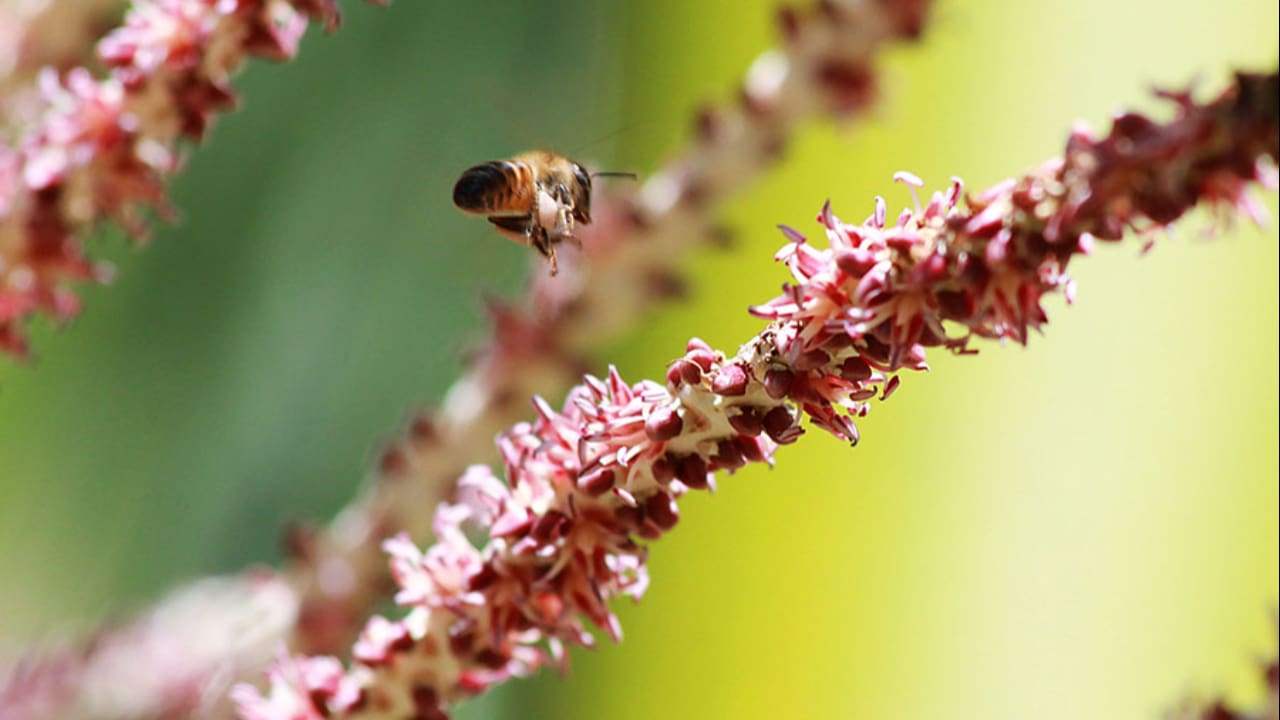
(586,484)
(888,288)
(103,147)
(825,66)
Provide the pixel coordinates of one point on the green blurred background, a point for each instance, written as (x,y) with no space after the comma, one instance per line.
(1084,528)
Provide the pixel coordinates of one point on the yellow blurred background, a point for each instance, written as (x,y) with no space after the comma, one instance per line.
(1086,527)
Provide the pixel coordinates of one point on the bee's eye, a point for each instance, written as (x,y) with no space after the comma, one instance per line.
(581,176)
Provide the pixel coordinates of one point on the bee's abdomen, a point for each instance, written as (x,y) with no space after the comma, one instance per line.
(498,187)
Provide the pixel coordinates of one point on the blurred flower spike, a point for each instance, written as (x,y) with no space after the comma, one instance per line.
(587,483)
(102,149)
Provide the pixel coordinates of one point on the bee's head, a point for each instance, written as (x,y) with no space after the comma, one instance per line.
(583,177)
(582,193)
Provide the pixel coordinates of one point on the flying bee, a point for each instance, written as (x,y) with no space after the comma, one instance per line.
(536,198)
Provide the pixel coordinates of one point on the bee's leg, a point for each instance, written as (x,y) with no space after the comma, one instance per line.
(557,214)
(527,231)
(543,243)
(564,216)
(551,256)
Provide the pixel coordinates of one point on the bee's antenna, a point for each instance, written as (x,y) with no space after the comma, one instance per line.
(628,175)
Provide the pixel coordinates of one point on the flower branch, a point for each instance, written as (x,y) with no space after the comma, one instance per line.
(631,251)
(102,149)
(337,573)
(587,483)
(40,33)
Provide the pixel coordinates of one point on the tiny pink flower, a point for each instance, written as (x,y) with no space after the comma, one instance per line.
(301,689)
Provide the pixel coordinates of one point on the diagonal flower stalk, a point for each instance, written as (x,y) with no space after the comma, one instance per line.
(825,67)
(587,483)
(102,149)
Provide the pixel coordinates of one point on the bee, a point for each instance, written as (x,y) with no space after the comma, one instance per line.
(536,198)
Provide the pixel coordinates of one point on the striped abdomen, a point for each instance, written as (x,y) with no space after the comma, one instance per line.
(501,187)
